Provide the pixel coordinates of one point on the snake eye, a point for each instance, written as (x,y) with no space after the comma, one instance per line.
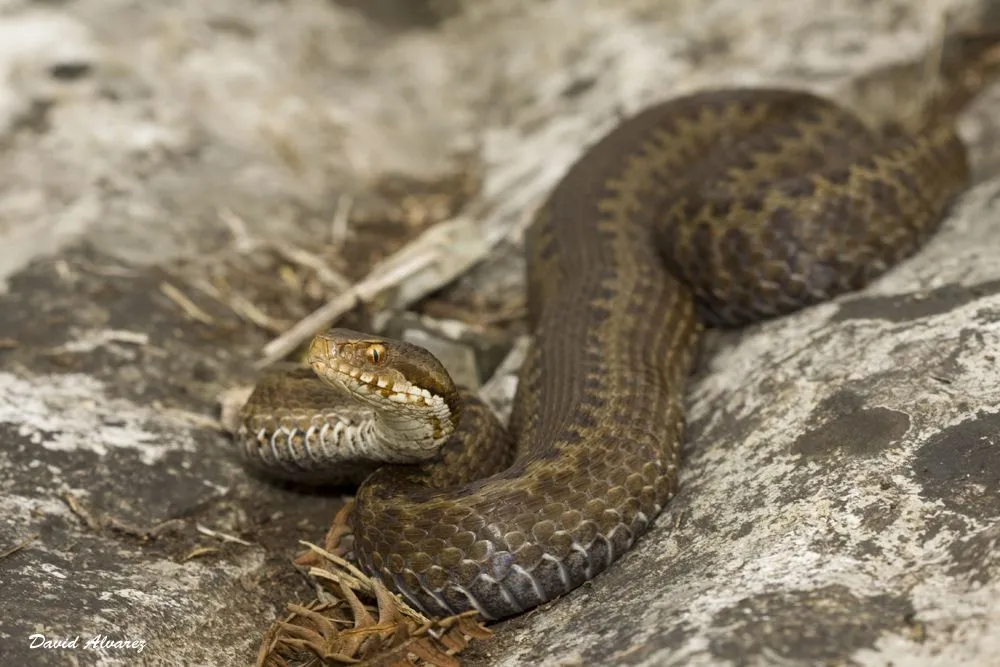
(375,353)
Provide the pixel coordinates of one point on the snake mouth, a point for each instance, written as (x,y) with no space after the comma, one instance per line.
(330,361)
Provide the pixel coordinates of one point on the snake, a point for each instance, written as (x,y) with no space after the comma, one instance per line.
(718,208)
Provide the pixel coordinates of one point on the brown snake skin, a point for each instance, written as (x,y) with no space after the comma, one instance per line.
(721,208)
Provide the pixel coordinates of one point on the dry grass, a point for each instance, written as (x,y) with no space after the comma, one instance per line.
(355,620)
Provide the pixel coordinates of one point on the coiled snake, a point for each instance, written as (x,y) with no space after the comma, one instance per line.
(718,208)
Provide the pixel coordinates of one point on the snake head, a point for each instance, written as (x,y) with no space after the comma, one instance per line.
(385,373)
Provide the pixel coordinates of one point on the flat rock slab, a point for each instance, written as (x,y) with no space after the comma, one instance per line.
(840,500)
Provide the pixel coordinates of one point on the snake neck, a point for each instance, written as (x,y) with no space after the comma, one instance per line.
(968,63)
(408,436)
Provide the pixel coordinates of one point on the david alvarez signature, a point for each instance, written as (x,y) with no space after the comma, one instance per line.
(95,643)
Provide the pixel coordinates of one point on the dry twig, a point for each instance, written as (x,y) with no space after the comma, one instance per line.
(17,547)
(432,260)
(185,304)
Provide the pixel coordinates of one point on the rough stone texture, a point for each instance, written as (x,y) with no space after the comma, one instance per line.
(839,502)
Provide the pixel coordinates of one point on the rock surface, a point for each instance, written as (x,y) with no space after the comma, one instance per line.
(841,497)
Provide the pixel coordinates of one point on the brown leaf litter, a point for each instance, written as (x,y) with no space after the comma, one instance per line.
(356,621)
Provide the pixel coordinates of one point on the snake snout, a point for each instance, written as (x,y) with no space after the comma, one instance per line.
(320,350)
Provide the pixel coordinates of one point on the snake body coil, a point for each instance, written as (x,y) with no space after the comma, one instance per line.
(719,208)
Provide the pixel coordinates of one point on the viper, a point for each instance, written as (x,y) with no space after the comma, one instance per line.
(718,208)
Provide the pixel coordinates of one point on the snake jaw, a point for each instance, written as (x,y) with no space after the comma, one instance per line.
(332,365)
(387,375)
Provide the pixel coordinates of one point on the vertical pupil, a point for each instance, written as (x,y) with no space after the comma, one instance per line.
(374,354)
